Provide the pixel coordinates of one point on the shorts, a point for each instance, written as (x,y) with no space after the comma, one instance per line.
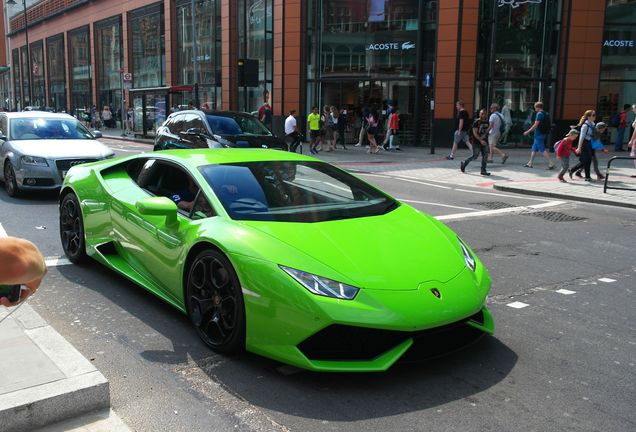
(460,136)
(493,139)
(372,130)
(538,145)
(314,134)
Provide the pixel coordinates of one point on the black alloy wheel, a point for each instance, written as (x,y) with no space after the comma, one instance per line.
(215,302)
(10,183)
(72,229)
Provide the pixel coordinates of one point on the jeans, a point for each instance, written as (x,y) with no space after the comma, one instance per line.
(293,140)
(478,148)
(585,160)
(620,134)
(565,164)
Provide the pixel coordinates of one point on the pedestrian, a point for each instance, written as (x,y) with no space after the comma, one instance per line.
(327,128)
(372,130)
(313,125)
(292,135)
(356,126)
(340,125)
(584,148)
(265,112)
(540,135)
(107,116)
(620,129)
(480,143)
(632,141)
(363,127)
(390,109)
(21,263)
(597,145)
(394,128)
(563,149)
(86,116)
(496,126)
(463,127)
(129,120)
(507,115)
(94,117)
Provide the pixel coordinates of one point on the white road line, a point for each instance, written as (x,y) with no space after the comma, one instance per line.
(607,280)
(497,211)
(435,204)
(565,292)
(500,195)
(517,305)
(3,233)
(56,261)
(406,180)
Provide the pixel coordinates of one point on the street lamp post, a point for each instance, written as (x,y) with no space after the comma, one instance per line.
(28,50)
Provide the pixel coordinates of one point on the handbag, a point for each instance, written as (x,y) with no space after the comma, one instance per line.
(597,144)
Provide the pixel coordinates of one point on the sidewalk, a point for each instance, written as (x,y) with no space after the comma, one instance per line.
(512,176)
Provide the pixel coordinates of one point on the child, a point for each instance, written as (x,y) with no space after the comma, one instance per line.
(563,149)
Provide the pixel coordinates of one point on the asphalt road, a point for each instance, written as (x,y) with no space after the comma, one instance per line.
(563,360)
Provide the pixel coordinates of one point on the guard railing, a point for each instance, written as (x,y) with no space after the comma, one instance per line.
(607,173)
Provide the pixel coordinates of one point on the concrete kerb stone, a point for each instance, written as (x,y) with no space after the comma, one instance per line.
(80,388)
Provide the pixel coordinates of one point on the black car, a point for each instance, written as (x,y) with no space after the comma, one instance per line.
(214,129)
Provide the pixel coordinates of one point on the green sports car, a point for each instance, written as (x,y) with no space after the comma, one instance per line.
(278,253)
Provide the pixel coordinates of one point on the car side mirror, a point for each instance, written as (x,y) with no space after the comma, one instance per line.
(97,134)
(3,137)
(158,206)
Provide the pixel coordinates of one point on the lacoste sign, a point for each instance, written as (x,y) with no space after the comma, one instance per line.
(390,46)
(624,43)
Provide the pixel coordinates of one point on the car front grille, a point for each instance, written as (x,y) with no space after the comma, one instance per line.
(66,164)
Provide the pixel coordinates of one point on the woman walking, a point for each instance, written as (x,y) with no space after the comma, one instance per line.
(632,140)
(584,149)
(372,130)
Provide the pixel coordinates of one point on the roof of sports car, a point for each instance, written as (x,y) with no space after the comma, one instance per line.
(227,155)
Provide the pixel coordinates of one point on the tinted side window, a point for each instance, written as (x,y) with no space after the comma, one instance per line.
(176,125)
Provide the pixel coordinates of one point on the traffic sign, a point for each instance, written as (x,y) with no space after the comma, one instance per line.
(127,76)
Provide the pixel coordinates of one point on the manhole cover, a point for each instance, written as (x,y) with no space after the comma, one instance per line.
(552,216)
(493,205)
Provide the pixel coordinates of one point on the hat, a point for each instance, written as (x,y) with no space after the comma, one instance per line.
(601,125)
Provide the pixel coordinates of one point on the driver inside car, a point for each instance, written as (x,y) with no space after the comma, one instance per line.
(184,198)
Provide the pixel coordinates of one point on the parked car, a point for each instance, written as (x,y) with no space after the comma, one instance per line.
(37,149)
(214,129)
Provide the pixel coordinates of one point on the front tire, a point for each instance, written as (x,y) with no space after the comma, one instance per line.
(72,229)
(10,182)
(214,301)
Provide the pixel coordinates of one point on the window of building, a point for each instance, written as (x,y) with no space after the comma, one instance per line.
(17,88)
(26,77)
(109,61)
(37,56)
(617,86)
(56,70)
(255,41)
(207,25)
(80,73)
(147,45)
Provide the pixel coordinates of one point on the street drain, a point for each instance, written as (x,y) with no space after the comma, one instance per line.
(552,216)
(493,205)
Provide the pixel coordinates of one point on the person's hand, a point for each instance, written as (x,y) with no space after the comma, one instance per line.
(526,133)
(24,293)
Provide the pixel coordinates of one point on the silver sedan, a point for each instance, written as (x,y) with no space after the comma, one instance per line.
(38,148)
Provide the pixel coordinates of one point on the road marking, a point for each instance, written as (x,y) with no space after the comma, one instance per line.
(3,233)
(517,305)
(499,194)
(607,280)
(498,211)
(406,180)
(435,204)
(56,261)
(565,292)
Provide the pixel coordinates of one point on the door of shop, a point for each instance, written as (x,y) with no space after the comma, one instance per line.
(149,110)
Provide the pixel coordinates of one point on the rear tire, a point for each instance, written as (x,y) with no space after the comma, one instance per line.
(214,301)
(10,183)
(72,229)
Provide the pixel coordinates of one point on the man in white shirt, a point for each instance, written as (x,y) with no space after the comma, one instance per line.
(496,125)
(292,135)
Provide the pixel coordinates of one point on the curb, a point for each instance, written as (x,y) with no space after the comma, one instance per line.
(79,389)
(127,138)
(563,196)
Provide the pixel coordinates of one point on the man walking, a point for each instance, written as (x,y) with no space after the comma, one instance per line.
(313,125)
(463,126)
(292,135)
(480,141)
(496,125)
(540,133)
(394,127)
(620,129)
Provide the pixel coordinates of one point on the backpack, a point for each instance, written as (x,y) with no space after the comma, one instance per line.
(615,120)
(557,145)
(546,124)
(502,126)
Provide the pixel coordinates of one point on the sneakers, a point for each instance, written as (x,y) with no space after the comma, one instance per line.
(397,149)
(588,179)
(550,167)
(357,145)
(578,174)
(600,177)
(449,157)
(385,147)
(504,159)
(528,166)
(561,179)
(462,166)
(570,173)
(485,173)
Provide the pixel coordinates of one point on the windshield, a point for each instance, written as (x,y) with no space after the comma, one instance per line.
(48,128)
(285,191)
(236,125)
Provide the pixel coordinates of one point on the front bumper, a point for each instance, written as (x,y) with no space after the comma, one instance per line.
(370,333)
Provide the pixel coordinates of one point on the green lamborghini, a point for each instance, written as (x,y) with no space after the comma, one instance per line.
(280,254)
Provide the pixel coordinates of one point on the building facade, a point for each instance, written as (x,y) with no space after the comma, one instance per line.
(156,56)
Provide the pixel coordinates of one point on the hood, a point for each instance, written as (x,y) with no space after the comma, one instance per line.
(255,141)
(56,149)
(396,251)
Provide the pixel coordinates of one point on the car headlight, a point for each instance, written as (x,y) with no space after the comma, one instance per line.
(322,286)
(469,259)
(33,160)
